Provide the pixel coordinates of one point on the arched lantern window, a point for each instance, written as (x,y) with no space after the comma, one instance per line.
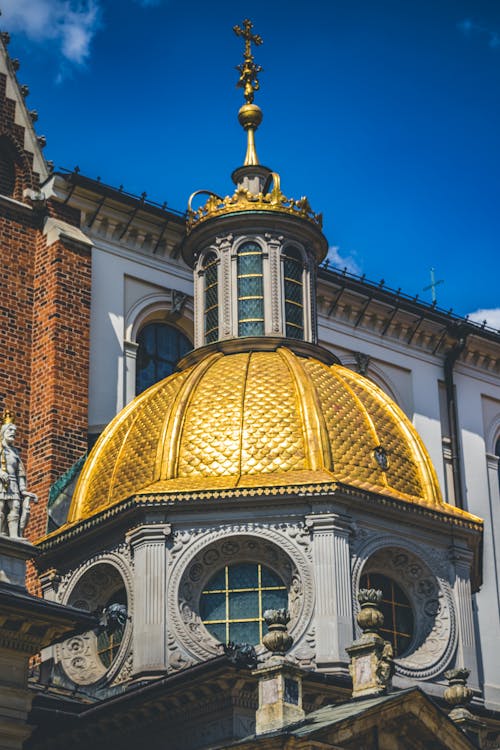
(250,290)
(160,347)
(211,298)
(293,271)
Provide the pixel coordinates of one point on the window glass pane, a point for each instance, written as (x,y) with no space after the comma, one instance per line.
(244,605)
(218,631)
(245,591)
(109,644)
(250,290)
(243,576)
(218,582)
(274,600)
(244,632)
(270,578)
(396,608)
(160,347)
(294,296)
(213,607)
(211,298)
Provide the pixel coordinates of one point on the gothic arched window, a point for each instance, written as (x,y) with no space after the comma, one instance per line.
(160,348)
(293,270)
(211,297)
(398,613)
(234,600)
(250,290)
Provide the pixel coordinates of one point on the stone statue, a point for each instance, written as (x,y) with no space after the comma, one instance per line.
(14,498)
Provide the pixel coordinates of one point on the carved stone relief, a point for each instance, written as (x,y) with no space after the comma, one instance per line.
(205,553)
(421,576)
(90,588)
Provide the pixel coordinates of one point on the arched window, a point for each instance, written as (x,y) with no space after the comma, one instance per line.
(398,613)
(160,348)
(211,298)
(108,644)
(250,290)
(234,600)
(293,293)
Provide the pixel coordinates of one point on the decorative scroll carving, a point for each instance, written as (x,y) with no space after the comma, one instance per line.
(90,588)
(204,553)
(435,637)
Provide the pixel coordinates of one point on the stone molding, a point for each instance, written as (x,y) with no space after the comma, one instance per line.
(422,572)
(57,230)
(196,555)
(78,655)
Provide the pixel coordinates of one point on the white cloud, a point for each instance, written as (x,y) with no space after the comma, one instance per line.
(343,261)
(491,316)
(469,27)
(71,24)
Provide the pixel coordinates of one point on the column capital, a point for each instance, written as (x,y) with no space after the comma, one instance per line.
(153,533)
(329,522)
(459,553)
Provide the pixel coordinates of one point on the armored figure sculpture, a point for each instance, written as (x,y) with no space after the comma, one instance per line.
(14,498)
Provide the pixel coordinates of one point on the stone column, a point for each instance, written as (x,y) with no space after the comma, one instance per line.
(332,572)
(149,624)
(461,557)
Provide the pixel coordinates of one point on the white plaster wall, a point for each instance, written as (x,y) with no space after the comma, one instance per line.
(111,297)
(470,417)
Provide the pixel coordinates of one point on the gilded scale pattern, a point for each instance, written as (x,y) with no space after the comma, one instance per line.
(272,434)
(242,423)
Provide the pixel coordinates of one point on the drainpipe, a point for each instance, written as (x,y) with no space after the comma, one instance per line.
(449,363)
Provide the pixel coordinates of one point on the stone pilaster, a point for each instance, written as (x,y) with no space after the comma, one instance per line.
(149,623)
(130,352)
(332,572)
(274,312)
(462,557)
(226,311)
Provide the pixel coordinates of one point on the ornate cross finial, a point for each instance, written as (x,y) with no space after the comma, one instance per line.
(249,71)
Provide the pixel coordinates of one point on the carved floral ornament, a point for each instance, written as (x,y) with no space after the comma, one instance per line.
(434,636)
(209,552)
(90,589)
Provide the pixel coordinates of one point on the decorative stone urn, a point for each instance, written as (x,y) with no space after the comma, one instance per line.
(457,694)
(370,618)
(278,640)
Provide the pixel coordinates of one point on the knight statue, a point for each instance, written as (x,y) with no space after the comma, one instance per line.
(14,498)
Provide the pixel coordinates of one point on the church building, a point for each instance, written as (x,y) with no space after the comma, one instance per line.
(268,490)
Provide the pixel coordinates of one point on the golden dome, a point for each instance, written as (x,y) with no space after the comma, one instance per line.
(259,419)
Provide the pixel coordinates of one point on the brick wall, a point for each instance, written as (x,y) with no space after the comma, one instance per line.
(44,327)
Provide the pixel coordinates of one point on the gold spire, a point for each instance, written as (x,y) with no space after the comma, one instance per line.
(250,115)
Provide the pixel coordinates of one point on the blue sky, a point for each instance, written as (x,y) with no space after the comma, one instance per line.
(385,114)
